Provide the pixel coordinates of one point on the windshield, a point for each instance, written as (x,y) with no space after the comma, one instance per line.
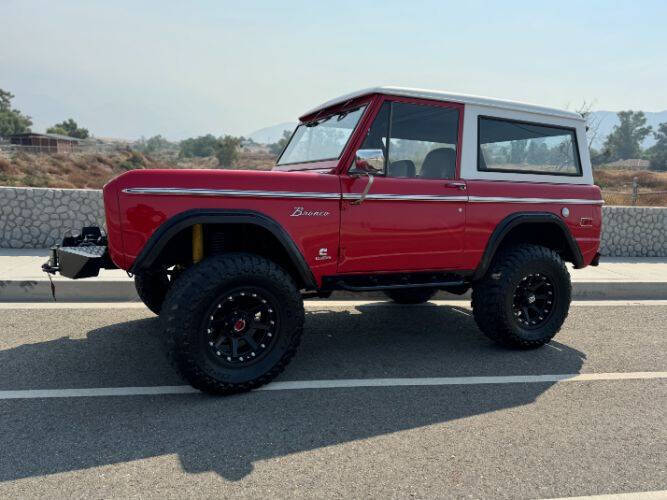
(322,139)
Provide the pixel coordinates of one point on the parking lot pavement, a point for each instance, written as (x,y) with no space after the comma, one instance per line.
(529,440)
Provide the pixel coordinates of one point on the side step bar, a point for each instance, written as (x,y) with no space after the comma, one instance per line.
(454,282)
(369,288)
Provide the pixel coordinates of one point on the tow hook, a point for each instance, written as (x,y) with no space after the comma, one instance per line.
(51,265)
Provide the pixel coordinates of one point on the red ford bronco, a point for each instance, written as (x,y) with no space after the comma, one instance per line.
(405,191)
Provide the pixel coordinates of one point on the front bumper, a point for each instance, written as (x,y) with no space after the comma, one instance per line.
(80,256)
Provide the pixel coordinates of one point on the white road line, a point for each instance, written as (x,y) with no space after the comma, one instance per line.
(337,384)
(315,304)
(643,495)
(72,305)
(96,392)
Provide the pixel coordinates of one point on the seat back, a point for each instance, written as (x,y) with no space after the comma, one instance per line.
(401,168)
(439,164)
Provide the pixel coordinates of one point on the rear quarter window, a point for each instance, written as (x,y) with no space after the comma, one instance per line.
(525,147)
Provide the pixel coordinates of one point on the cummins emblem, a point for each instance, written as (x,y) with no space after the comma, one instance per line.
(323,254)
(301,212)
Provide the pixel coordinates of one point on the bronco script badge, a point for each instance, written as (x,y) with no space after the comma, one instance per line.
(301,212)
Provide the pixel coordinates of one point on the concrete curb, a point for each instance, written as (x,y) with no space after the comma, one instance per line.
(68,291)
(123,291)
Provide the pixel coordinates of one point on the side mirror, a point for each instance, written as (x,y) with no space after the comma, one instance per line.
(368,161)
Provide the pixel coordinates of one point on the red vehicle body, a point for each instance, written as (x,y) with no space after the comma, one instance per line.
(378,236)
(404,191)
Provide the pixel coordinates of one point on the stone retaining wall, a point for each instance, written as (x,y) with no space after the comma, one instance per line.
(38,217)
(634,232)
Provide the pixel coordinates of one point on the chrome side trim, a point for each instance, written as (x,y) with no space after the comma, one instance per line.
(404,197)
(256,193)
(502,199)
(246,193)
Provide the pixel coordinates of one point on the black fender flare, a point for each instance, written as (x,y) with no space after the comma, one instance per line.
(170,228)
(516,219)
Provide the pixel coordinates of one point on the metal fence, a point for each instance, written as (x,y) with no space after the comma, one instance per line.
(635,197)
(9,149)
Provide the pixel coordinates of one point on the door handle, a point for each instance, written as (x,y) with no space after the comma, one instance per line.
(459,185)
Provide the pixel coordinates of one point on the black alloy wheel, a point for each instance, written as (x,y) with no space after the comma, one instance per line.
(241,326)
(533,301)
(233,322)
(524,297)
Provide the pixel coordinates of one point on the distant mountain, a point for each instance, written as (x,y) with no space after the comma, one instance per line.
(269,135)
(608,119)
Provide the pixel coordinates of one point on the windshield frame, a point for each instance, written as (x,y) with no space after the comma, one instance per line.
(346,107)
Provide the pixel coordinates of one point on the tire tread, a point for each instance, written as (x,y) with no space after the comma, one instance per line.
(201,281)
(489,293)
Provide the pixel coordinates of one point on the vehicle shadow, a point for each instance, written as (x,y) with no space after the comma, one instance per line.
(227,435)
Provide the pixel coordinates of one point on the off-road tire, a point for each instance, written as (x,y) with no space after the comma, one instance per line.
(192,297)
(493,297)
(411,295)
(152,289)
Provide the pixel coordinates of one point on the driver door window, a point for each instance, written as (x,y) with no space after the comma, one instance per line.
(406,221)
(422,140)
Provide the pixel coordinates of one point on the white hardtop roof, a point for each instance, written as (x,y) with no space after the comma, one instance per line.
(439,95)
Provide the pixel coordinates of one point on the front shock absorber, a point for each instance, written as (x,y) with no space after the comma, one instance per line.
(197,243)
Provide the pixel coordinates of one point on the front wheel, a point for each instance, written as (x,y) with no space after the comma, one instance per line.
(233,322)
(524,298)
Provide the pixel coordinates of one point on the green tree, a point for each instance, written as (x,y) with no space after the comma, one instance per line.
(12,121)
(598,157)
(228,150)
(56,130)
(277,147)
(225,149)
(625,140)
(200,147)
(70,128)
(657,154)
(153,144)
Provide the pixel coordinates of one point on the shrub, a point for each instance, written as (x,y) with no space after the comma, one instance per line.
(5,166)
(31,180)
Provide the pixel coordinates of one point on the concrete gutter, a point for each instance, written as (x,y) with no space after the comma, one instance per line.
(123,291)
(21,280)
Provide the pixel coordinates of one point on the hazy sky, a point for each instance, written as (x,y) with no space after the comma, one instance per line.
(132,68)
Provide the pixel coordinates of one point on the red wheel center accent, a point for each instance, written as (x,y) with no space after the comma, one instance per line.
(239,325)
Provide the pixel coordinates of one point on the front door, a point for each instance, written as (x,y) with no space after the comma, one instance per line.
(413,216)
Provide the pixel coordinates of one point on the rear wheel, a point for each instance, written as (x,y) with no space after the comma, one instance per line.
(411,295)
(524,298)
(233,321)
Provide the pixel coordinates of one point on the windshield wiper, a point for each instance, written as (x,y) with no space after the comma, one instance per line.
(339,117)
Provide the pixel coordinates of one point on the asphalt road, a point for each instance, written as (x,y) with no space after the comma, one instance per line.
(519,440)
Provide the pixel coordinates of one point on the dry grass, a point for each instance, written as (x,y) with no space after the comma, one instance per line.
(79,170)
(611,178)
(616,186)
